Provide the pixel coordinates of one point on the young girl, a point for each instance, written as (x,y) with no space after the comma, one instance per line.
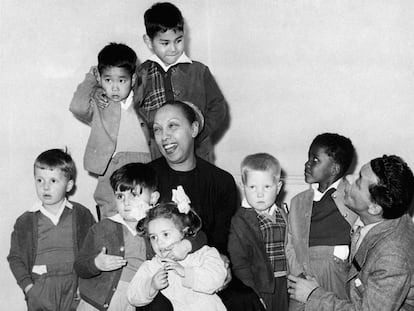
(189,284)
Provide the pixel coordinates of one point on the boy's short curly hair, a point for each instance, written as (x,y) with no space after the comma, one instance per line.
(338,147)
(57,158)
(117,55)
(189,223)
(161,17)
(395,188)
(133,174)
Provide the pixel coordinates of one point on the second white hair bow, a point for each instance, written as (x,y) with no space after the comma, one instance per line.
(181,199)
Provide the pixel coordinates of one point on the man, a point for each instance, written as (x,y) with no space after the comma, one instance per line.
(381,276)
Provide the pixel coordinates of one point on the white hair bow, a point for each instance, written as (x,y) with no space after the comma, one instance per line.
(181,199)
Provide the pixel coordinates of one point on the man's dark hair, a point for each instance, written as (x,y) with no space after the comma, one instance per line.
(395,188)
(338,147)
(161,17)
(117,55)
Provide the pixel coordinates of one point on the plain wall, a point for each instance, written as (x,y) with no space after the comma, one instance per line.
(289,70)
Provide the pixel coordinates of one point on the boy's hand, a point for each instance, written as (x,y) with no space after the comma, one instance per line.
(98,94)
(159,281)
(179,250)
(106,262)
(170,264)
(228,276)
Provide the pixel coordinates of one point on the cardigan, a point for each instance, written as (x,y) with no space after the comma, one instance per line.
(247,251)
(97,287)
(300,212)
(23,247)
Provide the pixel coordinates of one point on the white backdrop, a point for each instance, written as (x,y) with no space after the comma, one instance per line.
(289,70)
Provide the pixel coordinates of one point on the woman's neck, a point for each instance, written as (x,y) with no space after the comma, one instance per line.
(184,166)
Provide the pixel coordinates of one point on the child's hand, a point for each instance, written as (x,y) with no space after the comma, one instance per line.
(159,280)
(228,276)
(100,98)
(170,264)
(179,250)
(106,262)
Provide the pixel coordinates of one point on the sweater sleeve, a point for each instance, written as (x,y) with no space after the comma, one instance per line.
(208,274)
(216,106)
(138,293)
(18,265)
(241,265)
(82,102)
(85,261)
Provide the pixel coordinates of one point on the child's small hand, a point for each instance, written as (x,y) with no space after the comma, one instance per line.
(179,250)
(100,97)
(170,264)
(159,280)
(106,262)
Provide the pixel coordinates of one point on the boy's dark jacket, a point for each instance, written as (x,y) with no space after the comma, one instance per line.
(23,245)
(248,253)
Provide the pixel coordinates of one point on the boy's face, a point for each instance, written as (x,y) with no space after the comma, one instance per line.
(132,205)
(261,189)
(116,82)
(51,186)
(320,167)
(168,46)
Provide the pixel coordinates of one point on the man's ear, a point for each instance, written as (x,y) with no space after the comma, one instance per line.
(374,209)
(195,126)
(154,197)
(148,42)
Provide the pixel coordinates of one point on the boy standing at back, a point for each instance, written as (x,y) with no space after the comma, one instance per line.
(257,233)
(46,239)
(319,222)
(171,75)
(118,135)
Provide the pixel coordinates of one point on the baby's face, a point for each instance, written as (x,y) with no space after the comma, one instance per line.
(261,189)
(132,205)
(117,83)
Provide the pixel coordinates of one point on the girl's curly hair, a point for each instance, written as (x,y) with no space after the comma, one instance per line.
(189,223)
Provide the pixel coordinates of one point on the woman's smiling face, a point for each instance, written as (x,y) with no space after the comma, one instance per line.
(174,135)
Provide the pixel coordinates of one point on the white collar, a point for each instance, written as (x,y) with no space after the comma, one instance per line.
(317,196)
(117,218)
(38,206)
(364,229)
(183,59)
(271,211)
(125,104)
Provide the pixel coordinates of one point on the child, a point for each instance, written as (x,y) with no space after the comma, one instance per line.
(189,284)
(171,75)
(46,239)
(113,251)
(257,232)
(118,136)
(319,222)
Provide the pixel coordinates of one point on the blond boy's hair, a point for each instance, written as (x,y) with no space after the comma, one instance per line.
(260,162)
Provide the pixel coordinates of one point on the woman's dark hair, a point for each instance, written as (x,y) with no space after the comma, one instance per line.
(395,188)
(189,223)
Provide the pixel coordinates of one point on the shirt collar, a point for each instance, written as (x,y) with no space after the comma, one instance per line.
(117,218)
(364,229)
(319,195)
(38,206)
(183,59)
(125,104)
(271,211)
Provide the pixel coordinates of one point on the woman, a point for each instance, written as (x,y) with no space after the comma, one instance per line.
(212,191)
